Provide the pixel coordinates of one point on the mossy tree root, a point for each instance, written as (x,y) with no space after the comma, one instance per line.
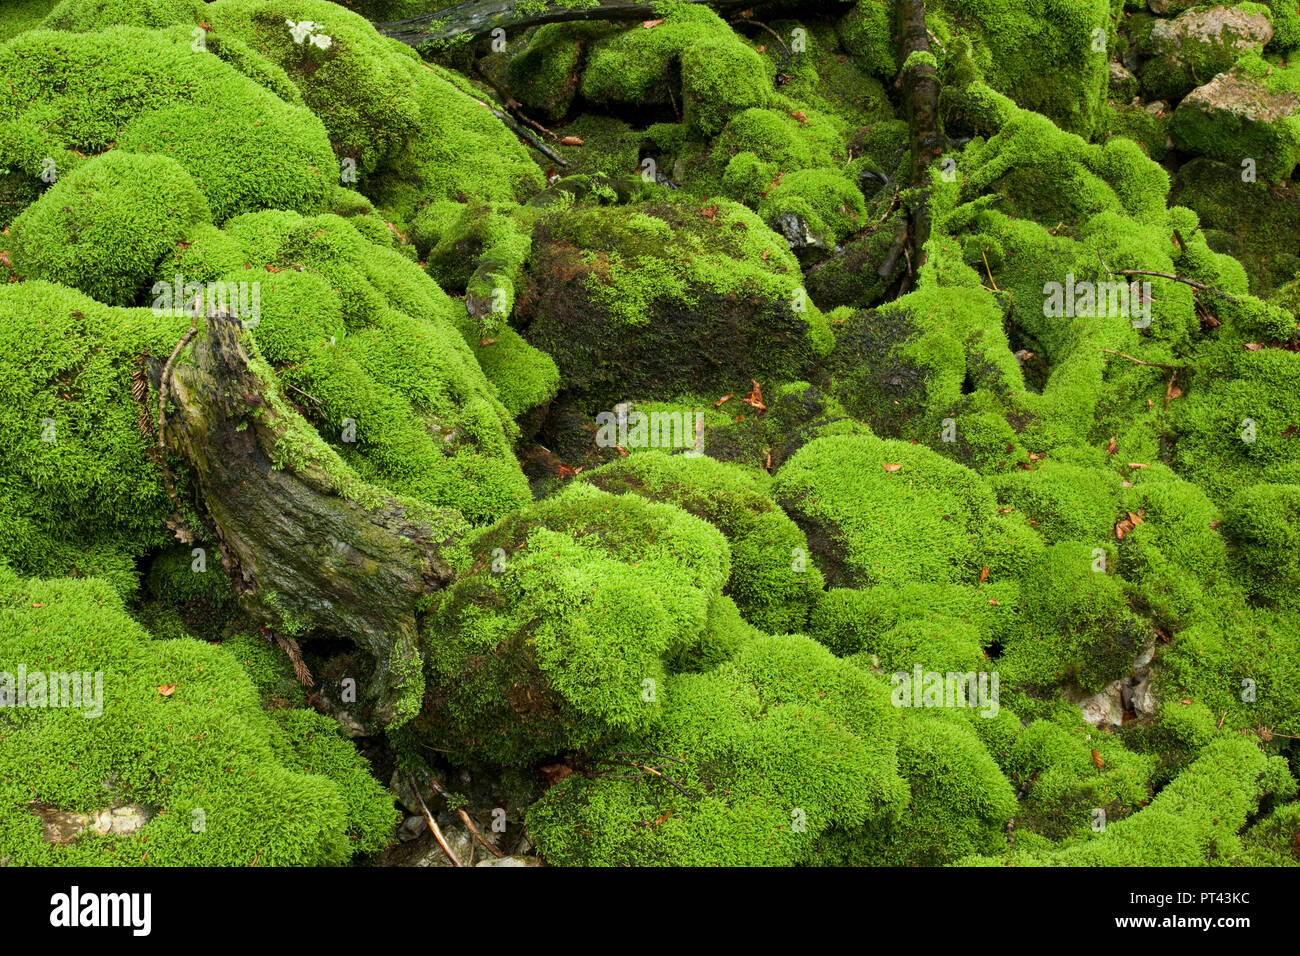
(307,554)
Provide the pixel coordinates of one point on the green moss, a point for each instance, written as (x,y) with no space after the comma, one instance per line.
(1065,500)
(225,786)
(720,74)
(1192,822)
(84,16)
(1077,626)
(920,521)
(1263,528)
(149,91)
(1065,787)
(360,332)
(80,494)
(556,637)
(773,750)
(960,801)
(655,299)
(773,579)
(103,228)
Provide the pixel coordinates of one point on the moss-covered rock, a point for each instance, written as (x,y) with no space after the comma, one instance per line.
(174,726)
(886,511)
(557,636)
(773,579)
(756,762)
(660,298)
(104,227)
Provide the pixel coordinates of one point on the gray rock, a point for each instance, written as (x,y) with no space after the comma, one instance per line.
(510,861)
(1123,84)
(1236,117)
(1199,44)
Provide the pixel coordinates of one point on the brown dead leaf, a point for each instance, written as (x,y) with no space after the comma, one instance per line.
(572,141)
(995,603)
(1214,525)
(1254,346)
(725,398)
(767,465)
(1111,447)
(1137,464)
(271,268)
(555,772)
(1186,700)
(799,115)
(651,24)
(621,451)
(755,397)
(483,343)
(708,212)
(1096,758)
(891,466)
(1122,528)
(166,689)
(984,574)
(1005,511)
(1164,638)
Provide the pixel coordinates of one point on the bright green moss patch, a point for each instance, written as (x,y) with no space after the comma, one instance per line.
(244,146)
(104,227)
(558,633)
(773,579)
(223,784)
(876,510)
(769,753)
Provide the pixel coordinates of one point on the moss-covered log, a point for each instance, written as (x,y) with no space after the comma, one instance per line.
(309,548)
(479,17)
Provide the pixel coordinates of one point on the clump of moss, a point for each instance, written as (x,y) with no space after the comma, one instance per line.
(960,802)
(773,579)
(243,146)
(103,228)
(1077,625)
(81,495)
(181,732)
(720,74)
(656,299)
(880,510)
(364,336)
(1263,527)
(769,753)
(556,637)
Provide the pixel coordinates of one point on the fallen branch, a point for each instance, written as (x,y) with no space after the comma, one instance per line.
(479,17)
(1199,286)
(433,824)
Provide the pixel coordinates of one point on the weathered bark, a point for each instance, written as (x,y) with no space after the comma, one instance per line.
(919,85)
(478,17)
(304,559)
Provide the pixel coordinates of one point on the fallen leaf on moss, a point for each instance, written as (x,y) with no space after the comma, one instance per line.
(1096,758)
(166,689)
(891,466)
(572,141)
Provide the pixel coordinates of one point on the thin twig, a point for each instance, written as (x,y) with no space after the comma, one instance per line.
(306,395)
(989,271)
(478,836)
(433,824)
(1199,286)
(1140,362)
(788,54)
